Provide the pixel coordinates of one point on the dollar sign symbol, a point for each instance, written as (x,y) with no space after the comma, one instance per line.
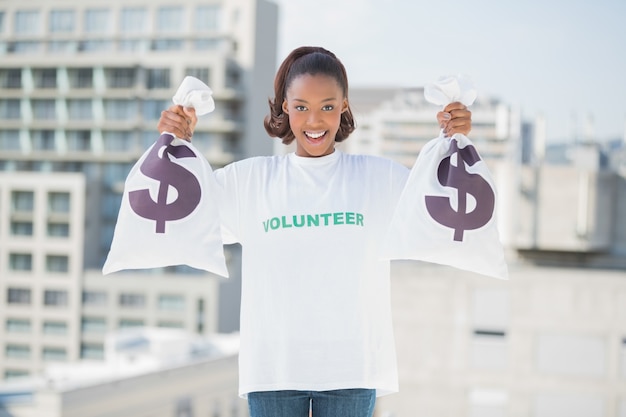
(158,165)
(456,176)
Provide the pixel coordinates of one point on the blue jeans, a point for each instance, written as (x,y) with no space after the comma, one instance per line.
(336,403)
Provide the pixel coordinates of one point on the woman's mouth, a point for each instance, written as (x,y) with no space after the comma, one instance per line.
(315,137)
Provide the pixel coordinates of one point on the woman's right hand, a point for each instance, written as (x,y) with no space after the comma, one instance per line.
(178,120)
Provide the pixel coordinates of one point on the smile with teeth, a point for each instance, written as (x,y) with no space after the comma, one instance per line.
(315,135)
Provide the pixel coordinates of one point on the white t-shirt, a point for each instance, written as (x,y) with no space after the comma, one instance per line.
(315,308)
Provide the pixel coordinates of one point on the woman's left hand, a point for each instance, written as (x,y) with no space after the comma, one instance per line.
(455,118)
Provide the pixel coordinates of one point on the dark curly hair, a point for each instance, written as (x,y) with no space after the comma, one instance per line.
(306,60)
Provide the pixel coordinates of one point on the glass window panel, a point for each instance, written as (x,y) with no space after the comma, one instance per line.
(93,325)
(126,323)
(27,22)
(21,228)
(17,351)
(91,351)
(10,109)
(97,21)
(94,298)
(20,262)
(151,110)
(170,19)
(118,141)
(62,46)
(11,78)
(54,354)
(133,45)
(55,298)
(206,18)
(132,300)
(18,326)
(57,263)
(78,140)
(18,296)
(10,140)
(114,173)
(58,229)
(59,202)
(96,45)
(167,45)
(80,109)
(1,21)
(120,77)
(61,21)
(171,302)
(206,44)
(43,140)
(44,109)
(55,327)
(23,201)
(158,78)
(26,47)
(45,77)
(200,73)
(119,109)
(170,324)
(134,20)
(80,78)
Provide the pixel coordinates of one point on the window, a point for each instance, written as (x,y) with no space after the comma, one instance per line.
(58,229)
(58,328)
(18,326)
(10,109)
(15,373)
(206,18)
(91,351)
(27,22)
(200,73)
(170,324)
(11,78)
(132,300)
(23,201)
(134,20)
(1,21)
(119,140)
(61,21)
(57,263)
(57,298)
(167,45)
(114,173)
(158,78)
(151,110)
(25,47)
(120,77)
(44,109)
(45,77)
(78,140)
(9,140)
(62,46)
(126,323)
(93,325)
(80,77)
(43,140)
(171,302)
(59,202)
(97,21)
(20,262)
(79,109)
(95,45)
(582,355)
(21,228)
(170,19)
(119,109)
(18,296)
(17,351)
(94,298)
(54,354)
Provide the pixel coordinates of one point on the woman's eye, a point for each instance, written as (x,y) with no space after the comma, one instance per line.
(300,108)
(328,108)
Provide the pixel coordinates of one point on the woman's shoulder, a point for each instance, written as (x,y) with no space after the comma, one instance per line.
(374,161)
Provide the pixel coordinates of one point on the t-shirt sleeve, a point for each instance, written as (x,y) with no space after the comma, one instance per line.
(228,202)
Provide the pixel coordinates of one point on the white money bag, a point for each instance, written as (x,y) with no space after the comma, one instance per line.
(169,214)
(447,211)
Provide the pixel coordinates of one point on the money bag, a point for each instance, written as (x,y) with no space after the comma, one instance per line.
(446,213)
(169,214)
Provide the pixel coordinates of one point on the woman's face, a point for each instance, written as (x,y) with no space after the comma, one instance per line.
(314,104)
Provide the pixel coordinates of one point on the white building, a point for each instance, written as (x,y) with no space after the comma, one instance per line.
(82,85)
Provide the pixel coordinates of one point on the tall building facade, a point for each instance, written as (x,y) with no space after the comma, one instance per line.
(82,86)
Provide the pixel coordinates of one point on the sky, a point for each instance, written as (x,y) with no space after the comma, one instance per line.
(564,61)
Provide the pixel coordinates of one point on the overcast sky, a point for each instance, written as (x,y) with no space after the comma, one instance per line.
(563,60)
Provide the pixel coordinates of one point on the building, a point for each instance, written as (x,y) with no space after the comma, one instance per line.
(82,86)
